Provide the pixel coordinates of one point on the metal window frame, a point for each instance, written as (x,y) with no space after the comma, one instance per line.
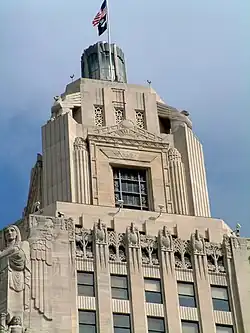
(116,288)
(87,285)
(139,182)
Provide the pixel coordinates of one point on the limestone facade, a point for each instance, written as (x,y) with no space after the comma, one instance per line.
(117,234)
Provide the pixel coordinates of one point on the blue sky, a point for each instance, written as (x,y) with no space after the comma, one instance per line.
(195,52)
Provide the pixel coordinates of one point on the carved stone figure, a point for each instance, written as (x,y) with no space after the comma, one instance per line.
(17,256)
(165,240)
(100,233)
(15,325)
(198,243)
(133,236)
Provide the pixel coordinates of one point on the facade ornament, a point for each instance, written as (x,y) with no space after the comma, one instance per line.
(79,143)
(227,246)
(41,264)
(70,227)
(84,243)
(165,240)
(182,254)
(215,258)
(116,247)
(3,323)
(100,232)
(133,236)
(149,249)
(15,325)
(16,256)
(198,243)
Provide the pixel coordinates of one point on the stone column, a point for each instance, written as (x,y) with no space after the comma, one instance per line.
(138,313)
(82,178)
(102,275)
(169,283)
(239,276)
(203,295)
(178,182)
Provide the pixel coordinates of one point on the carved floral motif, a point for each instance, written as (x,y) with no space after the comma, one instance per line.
(149,249)
(116,247)
(84,243)
(182,254)
(215,258)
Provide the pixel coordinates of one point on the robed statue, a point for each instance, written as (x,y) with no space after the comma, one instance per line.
(15,258)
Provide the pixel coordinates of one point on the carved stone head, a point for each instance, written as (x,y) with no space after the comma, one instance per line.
(16,321)
(12,235)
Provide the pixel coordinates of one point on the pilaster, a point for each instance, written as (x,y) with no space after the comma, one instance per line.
(136,280)
(102,276)
(167,264)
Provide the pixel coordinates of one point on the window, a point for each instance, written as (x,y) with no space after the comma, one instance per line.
(165,125)
(119,114)
(85,284)
(99,115)
(220,298)
(119,287)
(121,323)
(190,327)
(224,329)
(186,294)
(156,325)
(130,185)
(153,291)
(87,322)
(77,114)
(140,118)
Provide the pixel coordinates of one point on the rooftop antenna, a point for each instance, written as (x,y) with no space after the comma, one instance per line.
(72,77)
(149,83)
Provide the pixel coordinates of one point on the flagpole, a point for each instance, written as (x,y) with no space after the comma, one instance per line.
(109,41)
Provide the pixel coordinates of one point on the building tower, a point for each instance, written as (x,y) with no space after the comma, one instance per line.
(117,235)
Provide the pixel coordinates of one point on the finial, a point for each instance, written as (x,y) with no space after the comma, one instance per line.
(72,77)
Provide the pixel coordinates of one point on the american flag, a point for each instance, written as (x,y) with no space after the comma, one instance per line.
(101,14)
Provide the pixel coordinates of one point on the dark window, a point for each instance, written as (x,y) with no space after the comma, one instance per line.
(186,294)
(119,287)
(190,327)
(220,298)
(77,114)
(165,125)
(224,329)
(121,323)
(156,325)
(85,284)
(130,185)
(153,291)
(87,321)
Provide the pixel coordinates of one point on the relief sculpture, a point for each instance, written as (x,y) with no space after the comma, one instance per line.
(16,255)
(41,264)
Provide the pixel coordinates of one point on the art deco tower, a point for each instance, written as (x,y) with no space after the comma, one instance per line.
(117,232)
